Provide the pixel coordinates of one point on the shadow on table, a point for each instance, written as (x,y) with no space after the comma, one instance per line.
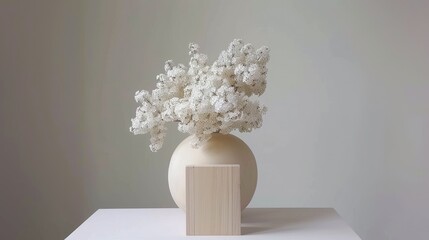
(264,220)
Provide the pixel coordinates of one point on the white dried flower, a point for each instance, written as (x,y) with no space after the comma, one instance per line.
(205,99)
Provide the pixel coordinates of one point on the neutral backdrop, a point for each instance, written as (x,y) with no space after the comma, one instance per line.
(347,126)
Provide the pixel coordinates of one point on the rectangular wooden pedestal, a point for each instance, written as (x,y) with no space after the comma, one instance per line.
(213,200)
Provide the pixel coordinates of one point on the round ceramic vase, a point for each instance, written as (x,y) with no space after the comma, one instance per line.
(220,149)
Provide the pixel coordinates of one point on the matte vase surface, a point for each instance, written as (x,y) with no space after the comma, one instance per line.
(220,149)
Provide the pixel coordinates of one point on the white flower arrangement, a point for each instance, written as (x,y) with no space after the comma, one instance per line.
(205,99)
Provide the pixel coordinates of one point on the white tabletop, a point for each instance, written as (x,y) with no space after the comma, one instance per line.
(257,223)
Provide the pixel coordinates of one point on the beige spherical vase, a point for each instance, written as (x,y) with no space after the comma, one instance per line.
(220,149)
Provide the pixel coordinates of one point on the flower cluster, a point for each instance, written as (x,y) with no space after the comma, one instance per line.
(203,98)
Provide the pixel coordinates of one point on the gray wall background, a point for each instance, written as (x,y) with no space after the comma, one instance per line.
(347,127)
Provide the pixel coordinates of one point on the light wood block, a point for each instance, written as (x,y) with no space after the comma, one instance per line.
(213,200)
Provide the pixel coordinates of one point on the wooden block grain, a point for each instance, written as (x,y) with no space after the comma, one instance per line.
(213,200)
